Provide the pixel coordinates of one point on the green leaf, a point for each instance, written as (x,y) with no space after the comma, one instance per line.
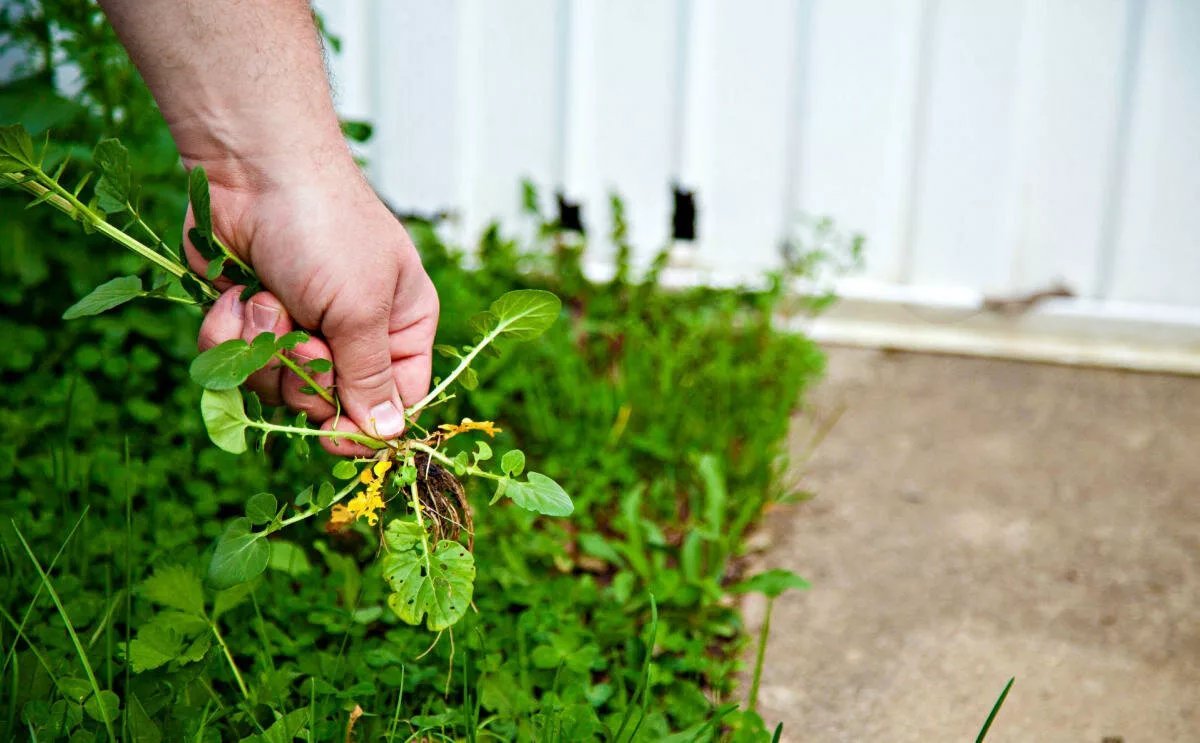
(513,462)
(106,706)
(319,366)
(522,315)
(16,149)
(106,296)
(241,555)
(156,645)
(773,583)
(261,508)
(324,495)
(198,197)
(142,729)
(290,340)
(284,729)
(225,419)
(540,494)
(112,189)
(230,597)
(483,452)
(435,586)
(345,470)
(75,689)
(228,364)
(288,557)
(176,587)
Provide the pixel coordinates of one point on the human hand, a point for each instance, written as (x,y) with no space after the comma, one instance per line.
(334,260)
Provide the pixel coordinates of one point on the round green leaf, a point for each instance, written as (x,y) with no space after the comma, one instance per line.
(225,419)
(525,313)
(106,706)
(261,508)
(513,462)
(228,364)
(541,495)
(345,470)
(240,555)
(436,586)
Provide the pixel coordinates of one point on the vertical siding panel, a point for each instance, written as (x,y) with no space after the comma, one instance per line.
(509,103)
(740,192)
(413,63)
(620,121)
(859,128)
(1158,245)
(958,232)
(1072,72)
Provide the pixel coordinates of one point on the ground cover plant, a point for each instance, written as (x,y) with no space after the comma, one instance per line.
(614,623)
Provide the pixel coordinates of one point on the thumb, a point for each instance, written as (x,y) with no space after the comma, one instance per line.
(363,367)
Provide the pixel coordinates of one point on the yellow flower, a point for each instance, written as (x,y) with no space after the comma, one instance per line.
(366,502)
(450,430)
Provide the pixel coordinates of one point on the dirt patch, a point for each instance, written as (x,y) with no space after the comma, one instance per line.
(980,519)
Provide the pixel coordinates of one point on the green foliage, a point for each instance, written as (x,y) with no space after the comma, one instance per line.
(662,412)
(105,297)
(437,581)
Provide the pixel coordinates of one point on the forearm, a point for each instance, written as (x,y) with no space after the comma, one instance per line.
(241,84)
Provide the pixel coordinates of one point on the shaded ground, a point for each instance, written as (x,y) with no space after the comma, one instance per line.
(981,519)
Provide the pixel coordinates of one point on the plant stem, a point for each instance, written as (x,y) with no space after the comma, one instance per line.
(471,469)
(299,372)
(358,438)
(412,411)
(760,656)
(241,682)
(66,202)
(416,505)
(314,511)
(83,659)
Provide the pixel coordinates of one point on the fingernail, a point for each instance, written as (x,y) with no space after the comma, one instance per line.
(387,420)
(263,317)
(237,308)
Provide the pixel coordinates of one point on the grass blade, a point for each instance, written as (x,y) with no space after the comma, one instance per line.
(62,611)
(995,708)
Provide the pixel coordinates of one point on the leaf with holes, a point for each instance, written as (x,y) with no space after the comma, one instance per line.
(433,585)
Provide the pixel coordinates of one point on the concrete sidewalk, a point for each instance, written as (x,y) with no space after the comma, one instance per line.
(979,519)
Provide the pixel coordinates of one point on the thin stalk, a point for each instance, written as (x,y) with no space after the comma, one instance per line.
(87,666)
(412,411)
(358,438)
(313,512)
(416,505)
(299,372)
(471,469)
(229,657)
(137,219)
(761,655)
(67,203)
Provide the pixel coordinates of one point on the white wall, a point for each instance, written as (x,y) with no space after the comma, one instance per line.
(983,146)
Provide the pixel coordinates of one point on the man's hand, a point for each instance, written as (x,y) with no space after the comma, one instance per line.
(242,85)
(333,260)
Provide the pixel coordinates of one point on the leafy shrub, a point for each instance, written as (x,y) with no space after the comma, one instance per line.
(663,413)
